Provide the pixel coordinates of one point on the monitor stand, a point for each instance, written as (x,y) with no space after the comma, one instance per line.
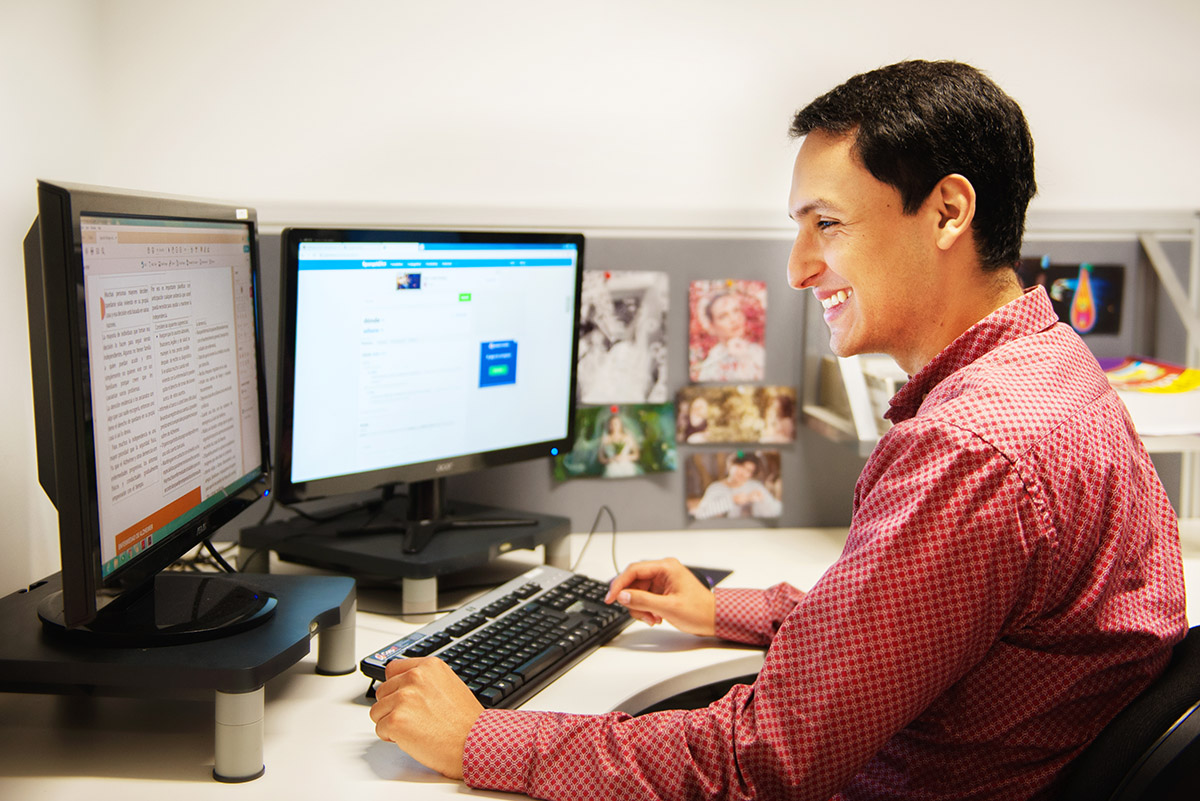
(354,545)
(427,515)
(171,609)
(235,668)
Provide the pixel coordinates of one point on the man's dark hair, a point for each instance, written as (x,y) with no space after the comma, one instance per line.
(916,122)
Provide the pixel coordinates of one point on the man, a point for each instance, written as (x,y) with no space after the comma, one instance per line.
(1011,578)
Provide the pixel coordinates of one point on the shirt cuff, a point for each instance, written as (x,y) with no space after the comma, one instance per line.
(499,750)
(743,616)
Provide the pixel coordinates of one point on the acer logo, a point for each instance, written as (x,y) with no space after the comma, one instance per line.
(443,467)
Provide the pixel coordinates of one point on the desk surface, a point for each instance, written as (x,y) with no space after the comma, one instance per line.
(319,740)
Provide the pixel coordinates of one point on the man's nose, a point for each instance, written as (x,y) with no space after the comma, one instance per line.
(804,262)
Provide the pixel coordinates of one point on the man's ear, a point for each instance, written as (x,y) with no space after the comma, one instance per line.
(954,202)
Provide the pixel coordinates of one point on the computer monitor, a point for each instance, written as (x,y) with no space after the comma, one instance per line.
(409,356)
(149,404)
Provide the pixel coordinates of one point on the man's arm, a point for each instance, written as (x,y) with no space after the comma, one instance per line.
(920,597)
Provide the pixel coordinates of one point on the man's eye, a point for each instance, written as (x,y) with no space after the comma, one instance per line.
(825,225)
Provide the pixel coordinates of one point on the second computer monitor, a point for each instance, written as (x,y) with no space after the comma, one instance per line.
(407,356)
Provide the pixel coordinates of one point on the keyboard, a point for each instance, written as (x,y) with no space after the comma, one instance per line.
(517,638)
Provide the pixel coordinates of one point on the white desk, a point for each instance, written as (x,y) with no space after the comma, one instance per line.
(320,742)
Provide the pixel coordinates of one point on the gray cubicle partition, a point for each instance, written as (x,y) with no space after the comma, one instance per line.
(818,475)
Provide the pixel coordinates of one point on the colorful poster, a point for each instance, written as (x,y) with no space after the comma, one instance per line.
(1085,296)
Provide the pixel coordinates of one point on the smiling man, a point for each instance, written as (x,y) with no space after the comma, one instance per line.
(1011,577)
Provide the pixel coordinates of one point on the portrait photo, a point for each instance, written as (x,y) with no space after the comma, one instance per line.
(733,484)
(623,337)
(620,441)
(726,330)
(736,413)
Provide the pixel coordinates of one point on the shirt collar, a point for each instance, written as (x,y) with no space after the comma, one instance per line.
(1028,314)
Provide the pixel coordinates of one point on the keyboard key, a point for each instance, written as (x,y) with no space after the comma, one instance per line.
(540,662)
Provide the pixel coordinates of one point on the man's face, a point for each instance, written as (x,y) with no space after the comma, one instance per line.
(872,267)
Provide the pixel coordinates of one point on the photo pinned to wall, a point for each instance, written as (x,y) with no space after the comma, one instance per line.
(1085,296)
(620,441)
(726,330)
(735,413)
(623,337)
(733,484)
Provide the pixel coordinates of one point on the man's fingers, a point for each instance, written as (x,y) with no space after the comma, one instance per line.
(644,602)
(641,575)
(398,667)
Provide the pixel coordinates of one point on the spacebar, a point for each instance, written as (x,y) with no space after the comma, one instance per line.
(539,663)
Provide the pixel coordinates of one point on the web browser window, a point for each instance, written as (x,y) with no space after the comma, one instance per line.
(408,352)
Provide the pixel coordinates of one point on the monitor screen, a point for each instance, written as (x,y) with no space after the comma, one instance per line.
(172,370)
(149,394)
(406,356)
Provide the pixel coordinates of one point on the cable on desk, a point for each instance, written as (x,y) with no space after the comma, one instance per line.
(195,561)
(588,540)
(217,557)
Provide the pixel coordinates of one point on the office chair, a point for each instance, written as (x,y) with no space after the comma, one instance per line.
(1151,750)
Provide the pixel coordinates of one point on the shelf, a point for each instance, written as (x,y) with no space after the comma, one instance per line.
(1184,443)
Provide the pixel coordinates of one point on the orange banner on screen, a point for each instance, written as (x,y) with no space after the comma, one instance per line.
(151,523)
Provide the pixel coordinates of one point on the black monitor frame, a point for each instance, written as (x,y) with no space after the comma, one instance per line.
(427,511)
(62,402)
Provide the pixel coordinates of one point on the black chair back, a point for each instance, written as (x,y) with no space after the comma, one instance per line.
(1151,750)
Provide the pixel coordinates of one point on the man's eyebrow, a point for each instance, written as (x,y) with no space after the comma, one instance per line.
(819,204)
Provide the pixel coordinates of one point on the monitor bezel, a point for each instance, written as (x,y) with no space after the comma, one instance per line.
(62,402)
(287,491)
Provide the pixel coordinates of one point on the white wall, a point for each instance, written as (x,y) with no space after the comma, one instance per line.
(591,114)
(49,59)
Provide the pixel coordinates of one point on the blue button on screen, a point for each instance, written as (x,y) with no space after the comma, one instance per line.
(497,363)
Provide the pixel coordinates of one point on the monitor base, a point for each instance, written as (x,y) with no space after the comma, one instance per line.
(425,517)
(351,546)
(173,609)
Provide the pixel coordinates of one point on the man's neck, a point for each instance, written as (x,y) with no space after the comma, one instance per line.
(969,301)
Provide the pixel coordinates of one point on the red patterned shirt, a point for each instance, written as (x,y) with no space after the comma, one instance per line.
(1010,580)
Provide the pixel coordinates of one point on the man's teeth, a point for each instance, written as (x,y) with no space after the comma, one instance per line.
(835,300)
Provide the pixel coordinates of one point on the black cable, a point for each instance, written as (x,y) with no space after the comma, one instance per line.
(317,518)
(249,560)
(588,540)
(216,555)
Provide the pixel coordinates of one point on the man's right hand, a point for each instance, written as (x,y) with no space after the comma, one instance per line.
(664,589)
